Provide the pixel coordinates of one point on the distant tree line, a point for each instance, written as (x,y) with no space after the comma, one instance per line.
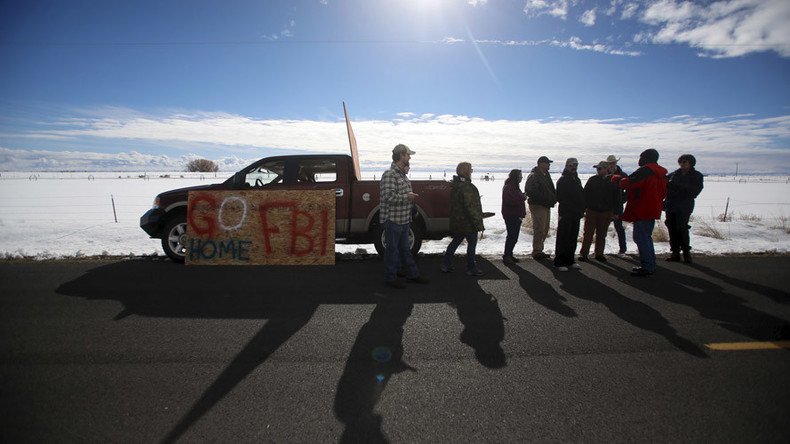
(202,166)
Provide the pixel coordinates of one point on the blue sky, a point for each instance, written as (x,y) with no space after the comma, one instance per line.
(107,84)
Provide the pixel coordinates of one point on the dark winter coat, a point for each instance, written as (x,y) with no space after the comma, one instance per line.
(570,195)
(466,211)
(513,200)
(682,189)
(600,194)
(647,188)
(540,189)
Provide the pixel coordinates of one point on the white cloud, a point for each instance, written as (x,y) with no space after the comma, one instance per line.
(554,8)
(629,10)
(477,3)
(588,18)
(758,144)
(727,28)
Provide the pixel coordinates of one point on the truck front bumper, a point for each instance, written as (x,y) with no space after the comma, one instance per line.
(151,221)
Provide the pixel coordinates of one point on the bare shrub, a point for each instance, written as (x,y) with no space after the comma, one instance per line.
(782,223)
(660,233)
(723,217)
(202,166)
(704,228)
(750,217)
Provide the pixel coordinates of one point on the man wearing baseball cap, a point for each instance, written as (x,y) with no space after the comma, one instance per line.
(541,197)
(397,200)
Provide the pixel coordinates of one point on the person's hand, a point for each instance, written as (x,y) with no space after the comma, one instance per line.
(412,196)
(616,178)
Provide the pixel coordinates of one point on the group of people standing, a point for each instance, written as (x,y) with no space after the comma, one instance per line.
(609,196)
(645,193)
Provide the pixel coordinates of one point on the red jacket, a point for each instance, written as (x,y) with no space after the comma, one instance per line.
(647,188)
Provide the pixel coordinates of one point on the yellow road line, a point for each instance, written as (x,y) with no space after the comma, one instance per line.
(734,346)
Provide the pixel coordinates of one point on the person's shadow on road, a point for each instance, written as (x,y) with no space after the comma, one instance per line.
(779,296)
(636,313)
(377,355)
(541,291)
(709,299)
(484,327)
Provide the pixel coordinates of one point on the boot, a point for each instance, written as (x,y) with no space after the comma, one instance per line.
(687,257)
(674,257)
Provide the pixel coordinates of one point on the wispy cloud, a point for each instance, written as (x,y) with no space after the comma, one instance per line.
(287,32)
(573,43)
(757,144)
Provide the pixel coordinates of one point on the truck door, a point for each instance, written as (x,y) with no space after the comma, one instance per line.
(327,173)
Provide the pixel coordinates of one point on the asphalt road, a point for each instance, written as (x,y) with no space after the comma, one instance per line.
(144,350)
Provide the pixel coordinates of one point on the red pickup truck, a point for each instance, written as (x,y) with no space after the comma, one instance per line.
(357,205)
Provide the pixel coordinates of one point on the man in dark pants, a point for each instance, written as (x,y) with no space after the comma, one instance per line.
(683,186)
(570,196)
(617,221)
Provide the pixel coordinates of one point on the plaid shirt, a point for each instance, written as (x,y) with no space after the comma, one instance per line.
(395,205)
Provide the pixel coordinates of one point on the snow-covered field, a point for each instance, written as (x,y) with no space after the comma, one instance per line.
(58,215)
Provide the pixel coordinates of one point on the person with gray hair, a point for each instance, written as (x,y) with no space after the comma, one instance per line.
(466,219)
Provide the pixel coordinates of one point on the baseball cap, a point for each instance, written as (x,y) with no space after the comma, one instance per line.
(401,148)
(544,159)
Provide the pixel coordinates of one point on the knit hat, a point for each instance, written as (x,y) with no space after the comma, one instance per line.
(649,156)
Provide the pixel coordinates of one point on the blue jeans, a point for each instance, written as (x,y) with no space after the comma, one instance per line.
(397,252)
(513,225)
(471,245)
(643,236)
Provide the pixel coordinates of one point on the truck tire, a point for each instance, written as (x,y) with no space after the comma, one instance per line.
(415,239)
(174,238)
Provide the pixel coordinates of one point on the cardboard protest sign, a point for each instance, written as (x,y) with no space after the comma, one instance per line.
(261,228)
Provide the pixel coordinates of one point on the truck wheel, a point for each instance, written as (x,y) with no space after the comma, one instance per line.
(175,238)
(415,239)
